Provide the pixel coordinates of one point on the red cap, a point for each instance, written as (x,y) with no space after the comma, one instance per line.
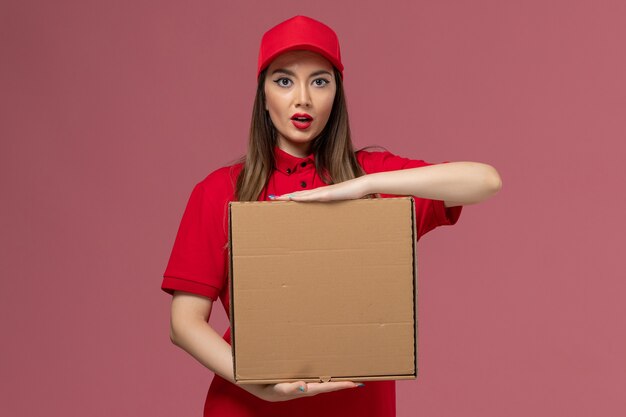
(300,32)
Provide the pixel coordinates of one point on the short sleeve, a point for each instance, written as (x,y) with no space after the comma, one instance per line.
(198,261)
(429,214)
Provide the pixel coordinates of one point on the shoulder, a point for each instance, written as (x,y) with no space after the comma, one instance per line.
(221,182)
(384,160)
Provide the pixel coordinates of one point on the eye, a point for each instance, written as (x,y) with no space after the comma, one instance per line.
(280,82)
(325,81)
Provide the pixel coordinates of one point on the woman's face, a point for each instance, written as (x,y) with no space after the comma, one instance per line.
(299,82)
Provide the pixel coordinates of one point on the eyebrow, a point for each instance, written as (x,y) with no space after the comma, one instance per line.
(286,71)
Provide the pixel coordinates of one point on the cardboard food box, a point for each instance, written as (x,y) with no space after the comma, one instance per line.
(323,291)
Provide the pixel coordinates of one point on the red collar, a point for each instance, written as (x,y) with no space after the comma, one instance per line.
(288,163)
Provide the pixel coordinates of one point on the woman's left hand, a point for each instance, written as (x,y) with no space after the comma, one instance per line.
(348,190)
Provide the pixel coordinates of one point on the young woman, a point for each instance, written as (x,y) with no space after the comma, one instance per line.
(299,149)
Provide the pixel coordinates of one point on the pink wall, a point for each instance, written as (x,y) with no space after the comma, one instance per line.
(112,111)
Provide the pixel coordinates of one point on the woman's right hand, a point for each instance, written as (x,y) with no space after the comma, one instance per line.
(285,391)
(190,331)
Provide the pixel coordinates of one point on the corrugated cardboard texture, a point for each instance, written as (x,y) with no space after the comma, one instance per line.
(323,290)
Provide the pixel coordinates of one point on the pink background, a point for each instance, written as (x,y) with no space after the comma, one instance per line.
(111,111)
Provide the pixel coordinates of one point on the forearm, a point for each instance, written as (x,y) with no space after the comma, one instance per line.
(463,182)
(209,348)
(203,343)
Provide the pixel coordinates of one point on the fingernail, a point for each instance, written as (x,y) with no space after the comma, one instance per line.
(301,389)
(360,384)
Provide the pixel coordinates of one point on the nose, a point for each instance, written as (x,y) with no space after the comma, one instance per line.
(303,96)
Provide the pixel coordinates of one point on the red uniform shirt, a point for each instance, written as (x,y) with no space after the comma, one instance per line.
(199,264)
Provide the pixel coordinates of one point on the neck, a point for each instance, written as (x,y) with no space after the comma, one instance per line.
(299,150)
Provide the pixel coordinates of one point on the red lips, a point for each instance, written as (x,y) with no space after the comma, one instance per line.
(302,116)
(301,120)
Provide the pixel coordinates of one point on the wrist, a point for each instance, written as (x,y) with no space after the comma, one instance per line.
(255,389)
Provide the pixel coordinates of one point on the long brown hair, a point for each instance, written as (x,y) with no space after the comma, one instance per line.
(334,156)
